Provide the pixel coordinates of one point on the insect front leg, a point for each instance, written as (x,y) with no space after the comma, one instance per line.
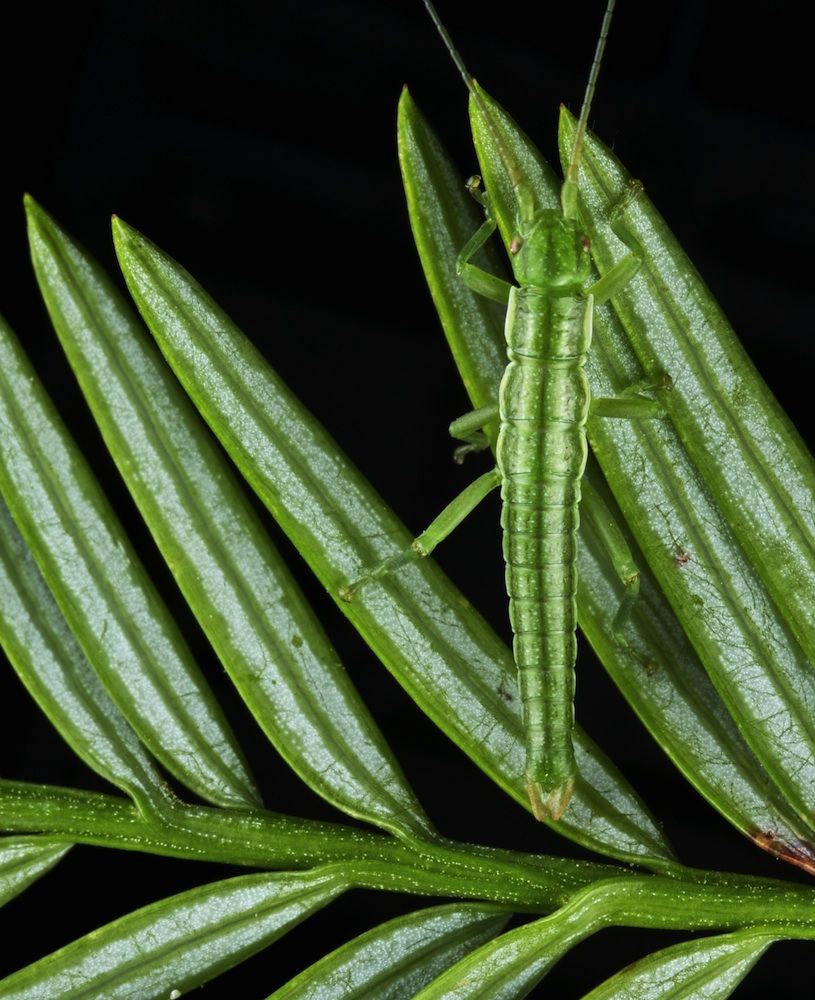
(474,277)
(614,280)
(421,546)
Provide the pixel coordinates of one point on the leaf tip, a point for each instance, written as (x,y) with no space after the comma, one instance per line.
(122,232)
(33,209)
(567,123)
(40,225)
(406,111)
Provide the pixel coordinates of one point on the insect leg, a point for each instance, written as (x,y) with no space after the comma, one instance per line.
(449,519)
(470,428)
(475,278)
(615,279)
(596,512)
(618,212)
(630,404)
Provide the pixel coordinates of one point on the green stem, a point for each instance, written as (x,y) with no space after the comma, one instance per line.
(692,900)
(535,883)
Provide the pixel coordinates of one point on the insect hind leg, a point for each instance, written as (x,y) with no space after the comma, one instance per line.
(605,526)
(421,546)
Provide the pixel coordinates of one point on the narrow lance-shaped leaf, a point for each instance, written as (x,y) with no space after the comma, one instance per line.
(421,627)
(173,946)
(675,510)
(397,959)
(744,644)
(710,968)
(100,586)
(51,664)
(664,681)
(25,859)
(443,218)
(246,601)
(667,686)
(766,485)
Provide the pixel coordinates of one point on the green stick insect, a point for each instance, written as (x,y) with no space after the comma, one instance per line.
(544,401)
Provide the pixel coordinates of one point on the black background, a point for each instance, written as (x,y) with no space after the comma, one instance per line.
(256,144)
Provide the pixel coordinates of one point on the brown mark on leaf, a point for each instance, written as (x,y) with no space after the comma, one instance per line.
(503,693)
(679,554)
(645,661)
(650,666)
(801,854)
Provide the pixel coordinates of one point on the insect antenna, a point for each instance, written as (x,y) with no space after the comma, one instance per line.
(523,194)
(568,194)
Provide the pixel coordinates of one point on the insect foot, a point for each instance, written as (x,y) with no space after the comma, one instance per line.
(347,591)
(619,209)
(460,454)
(417,550)
(552,804)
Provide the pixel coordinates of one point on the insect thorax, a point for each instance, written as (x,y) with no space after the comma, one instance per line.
(552,253)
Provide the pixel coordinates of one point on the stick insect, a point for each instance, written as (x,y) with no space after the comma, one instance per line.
(544,401)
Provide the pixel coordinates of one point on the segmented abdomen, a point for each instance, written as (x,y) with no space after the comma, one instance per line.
(541,454)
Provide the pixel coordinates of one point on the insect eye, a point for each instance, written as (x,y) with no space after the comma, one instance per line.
(515,245)
(585,242)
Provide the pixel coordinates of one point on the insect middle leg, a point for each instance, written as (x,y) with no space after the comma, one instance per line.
(630,404)
(470,429)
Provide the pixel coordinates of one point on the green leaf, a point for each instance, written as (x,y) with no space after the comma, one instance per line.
(398,958)
(723,588)
(664,681)
(419,625)
(48,659)
(100,586)
(170,947)
(765,486)
(442,219)
(256,618)
(25,859)
(672,694)
(707,969)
